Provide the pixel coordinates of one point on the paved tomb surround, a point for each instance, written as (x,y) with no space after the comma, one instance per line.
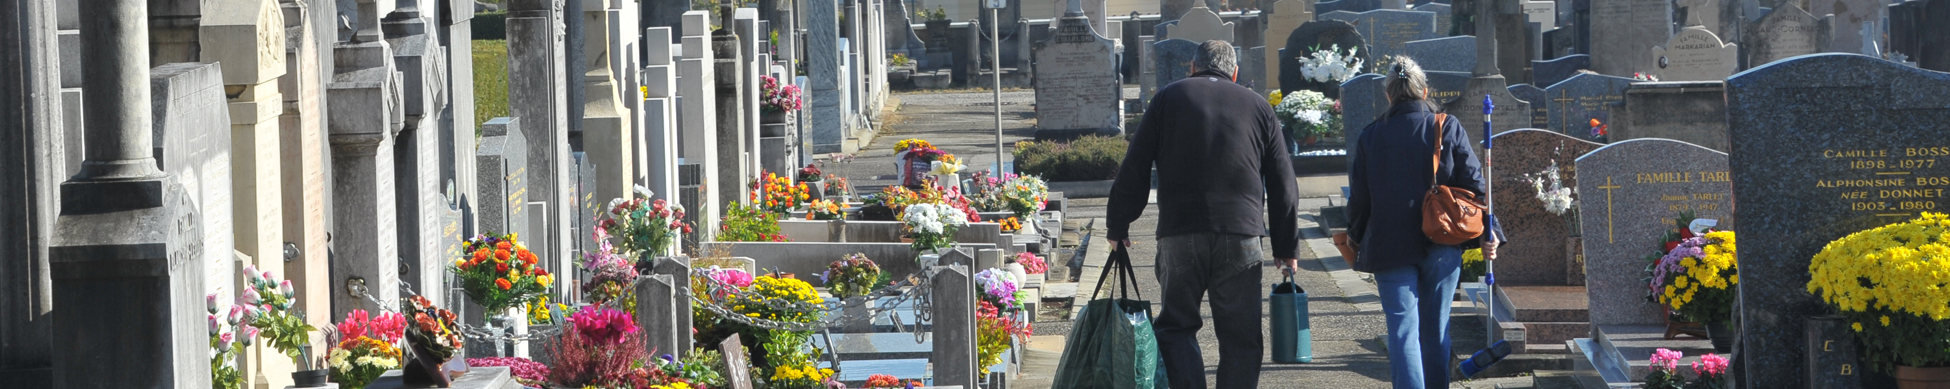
(1823,146)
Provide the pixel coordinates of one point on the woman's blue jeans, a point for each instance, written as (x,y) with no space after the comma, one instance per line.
(1416,300)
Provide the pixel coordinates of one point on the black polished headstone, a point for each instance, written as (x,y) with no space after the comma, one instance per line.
(1317,34)
(1543,74)
(1832,362)
(1796,126)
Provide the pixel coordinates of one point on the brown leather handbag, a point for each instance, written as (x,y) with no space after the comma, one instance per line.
(1349,250)
(1450,215)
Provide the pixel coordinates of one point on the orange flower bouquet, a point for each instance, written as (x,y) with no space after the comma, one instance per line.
(498,272)
(779,195)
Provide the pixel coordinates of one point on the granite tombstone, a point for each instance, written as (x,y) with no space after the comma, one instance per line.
(1535,254)
(1076,80)
(1450,54)
(1820,143)
(1323,34)
(1363,99)
(1545,73)
(1346,5)
(1442,17)
(1387,31)
(1696,54)
(1539,113)
(1173,60)
(1572,104)
(1287,15)
(1787,32)
(1630,194)
(1692,112)
(1629,30)
(502,163)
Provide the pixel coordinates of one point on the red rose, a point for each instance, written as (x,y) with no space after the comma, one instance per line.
(503,283)
(1671,245)
(501,267)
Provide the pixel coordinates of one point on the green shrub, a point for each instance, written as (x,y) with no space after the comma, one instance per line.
(1090,158)
(490,80)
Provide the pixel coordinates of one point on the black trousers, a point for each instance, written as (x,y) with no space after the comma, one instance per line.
(1227,267)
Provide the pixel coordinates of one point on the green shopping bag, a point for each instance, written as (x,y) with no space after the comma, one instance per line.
(1112,346)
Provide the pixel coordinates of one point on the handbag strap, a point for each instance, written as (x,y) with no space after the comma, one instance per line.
(1435,167)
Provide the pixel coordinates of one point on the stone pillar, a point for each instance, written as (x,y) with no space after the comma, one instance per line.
(655,296)
(365,116)
(302,160)
(660,116)
(750,40)
(126,245)
(823,62)
(539,95)
(954,327)
(698,101)
(735,169)
(679,271)
(502,161)
(416,151)
(605,128)
(31,91)
(457,142)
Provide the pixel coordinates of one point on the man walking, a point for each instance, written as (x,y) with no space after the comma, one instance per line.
(1223,173)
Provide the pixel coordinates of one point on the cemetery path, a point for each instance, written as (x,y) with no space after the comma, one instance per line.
(1347,351)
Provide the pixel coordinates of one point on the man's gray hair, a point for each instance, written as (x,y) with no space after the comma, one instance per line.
(1216,55)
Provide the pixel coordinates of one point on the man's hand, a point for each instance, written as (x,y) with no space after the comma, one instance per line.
(1121,243)
(1289,266)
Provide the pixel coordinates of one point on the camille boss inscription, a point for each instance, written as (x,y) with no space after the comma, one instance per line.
(1889,185)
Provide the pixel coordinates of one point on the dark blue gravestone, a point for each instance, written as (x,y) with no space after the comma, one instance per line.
(1787,121)
(1442,17)
(1450,54)
(1321,34)
(1174,60)
(1547,73)
(1362,100)
(1539,116)
(1387,30)
(1322,8)
(1574,102)
(1445,87)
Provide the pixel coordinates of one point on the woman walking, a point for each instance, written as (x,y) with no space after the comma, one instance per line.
(1388,177)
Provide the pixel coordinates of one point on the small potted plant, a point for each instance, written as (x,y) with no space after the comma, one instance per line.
(811,176)
(1699,279)
(364,346)
(932,226)
(749,224)
(1309,116)
(645,230)
(777,100)
(851,277)
(434,336)
(778,195)
(610,275)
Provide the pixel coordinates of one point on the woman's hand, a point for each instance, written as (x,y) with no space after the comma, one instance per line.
(1489,246)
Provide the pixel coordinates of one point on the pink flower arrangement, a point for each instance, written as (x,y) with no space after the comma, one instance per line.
(528,371)
(732,277)
(778,98)
(1711,365)
(1667,358)
(1031,263)
(388,326)
(601,325)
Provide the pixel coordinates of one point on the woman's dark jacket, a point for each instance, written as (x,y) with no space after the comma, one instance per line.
(1389,174)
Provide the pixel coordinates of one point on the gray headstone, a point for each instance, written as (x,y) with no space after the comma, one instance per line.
(538,80)
(1442,18)
(1535,254)
(1690,112)
(1200,24)
(1173,60)
(1077,86)
(660,324)
(502,162)
(1573,103)
(1850,16)
(1388,30)
(1695,54)
(823,69)
(679,268)
(1629,192)
(1324,7)
(192,135)
(1450,54)
(1317,34)
(1539,115)
(1787,121)
(1915,30)
(1787,32)
(1626,31)
(1543,74)
(954,326)
(588,202)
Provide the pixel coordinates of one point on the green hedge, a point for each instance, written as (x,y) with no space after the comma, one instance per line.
(1090,158)
(490,80)
(491,25)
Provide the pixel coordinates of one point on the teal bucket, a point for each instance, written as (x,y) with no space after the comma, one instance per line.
(1293,339)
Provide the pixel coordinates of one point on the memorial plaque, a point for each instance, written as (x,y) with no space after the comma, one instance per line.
(1387,31)
(1823,146)
(1539,115)
(1450,54)
(1573,103)
(1787,32)
(1625,32)
(1695,54)
(1535,254)
(1287,16)
(739,374)
(1076,80)
(1544,13)
(1321,34)
(1628,195)
(1545,73)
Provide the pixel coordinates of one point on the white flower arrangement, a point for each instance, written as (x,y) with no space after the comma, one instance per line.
(933,225)
(1330,65)
(1558,199)
(1308,113)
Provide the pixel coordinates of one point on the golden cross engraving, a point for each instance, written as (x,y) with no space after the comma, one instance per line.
(1564,112)
(1609,235)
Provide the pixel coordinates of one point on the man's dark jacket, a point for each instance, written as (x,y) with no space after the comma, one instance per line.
(1222,165)
(1389,175)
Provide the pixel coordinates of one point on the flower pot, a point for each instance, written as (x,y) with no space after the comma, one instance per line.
(1676,326)
(309,378)
(1722,335)
(1922,377)
(1310,140)
(1015,270)
(773,117)
(771,130)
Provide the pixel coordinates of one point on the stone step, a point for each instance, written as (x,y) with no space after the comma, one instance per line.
(1547,303)
(1567,379)
(1627,349)
(1547,337)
